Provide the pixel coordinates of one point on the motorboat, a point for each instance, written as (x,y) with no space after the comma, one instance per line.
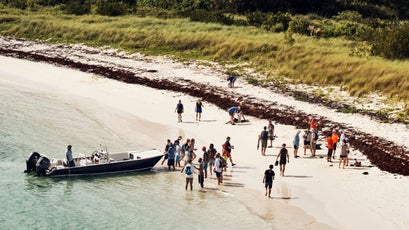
(99,162)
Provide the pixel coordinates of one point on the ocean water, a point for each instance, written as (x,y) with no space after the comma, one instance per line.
(33,120)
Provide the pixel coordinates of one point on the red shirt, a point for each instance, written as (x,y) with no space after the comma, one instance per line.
(330,143)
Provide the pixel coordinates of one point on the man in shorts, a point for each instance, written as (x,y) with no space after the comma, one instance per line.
(218,169)
(271,133)
(268,180)
(263,138)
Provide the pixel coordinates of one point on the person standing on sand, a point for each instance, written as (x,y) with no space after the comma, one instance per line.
(283,159)
(344,154)
(227,147)
(198,109)
(296,143)
(330,145)
(306,141)
(70,159)
(313,123)
(335,139)
(232,111)
(268,180)
(271,134)
(313,142)
(179,109)
(218,169)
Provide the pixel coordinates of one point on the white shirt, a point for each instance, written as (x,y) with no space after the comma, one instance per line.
(217,164)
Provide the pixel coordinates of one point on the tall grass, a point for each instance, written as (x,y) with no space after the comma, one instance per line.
(308,60)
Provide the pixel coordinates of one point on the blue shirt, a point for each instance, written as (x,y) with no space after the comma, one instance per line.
(171,153)
(296,140)
(233,110)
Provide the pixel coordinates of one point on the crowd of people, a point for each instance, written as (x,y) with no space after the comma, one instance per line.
(209,161)
(216,162)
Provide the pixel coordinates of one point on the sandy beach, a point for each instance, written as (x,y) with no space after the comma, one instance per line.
(314,194)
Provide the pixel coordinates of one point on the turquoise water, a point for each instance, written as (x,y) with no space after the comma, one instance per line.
(38,121)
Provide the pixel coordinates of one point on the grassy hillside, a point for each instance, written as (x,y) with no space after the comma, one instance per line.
(280,57)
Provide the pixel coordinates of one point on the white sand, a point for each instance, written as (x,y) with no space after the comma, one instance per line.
(313,195)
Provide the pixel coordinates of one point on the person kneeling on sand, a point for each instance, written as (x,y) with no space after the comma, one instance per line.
(233,111)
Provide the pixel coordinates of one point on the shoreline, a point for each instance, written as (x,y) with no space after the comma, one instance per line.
(307,198)
(379,154)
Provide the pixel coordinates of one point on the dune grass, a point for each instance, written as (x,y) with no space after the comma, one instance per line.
(308,60)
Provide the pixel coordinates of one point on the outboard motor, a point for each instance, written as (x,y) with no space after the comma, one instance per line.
(31,162)
(42,165)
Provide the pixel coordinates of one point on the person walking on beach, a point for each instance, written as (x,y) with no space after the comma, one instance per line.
(188,170)
(330,146)
(233,111)
(283,159)
(268,180)
(231,79)
(212,157)
(179,110)
(296,143)
(271,134)
(218,169)
(201,172)
(263,138)
(70,159)
(227,147)
(198,109)
(335,139)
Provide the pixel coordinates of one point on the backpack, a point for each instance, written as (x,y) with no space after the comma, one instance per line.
(188,170)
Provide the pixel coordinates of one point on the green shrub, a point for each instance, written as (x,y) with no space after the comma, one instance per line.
(110,8)
(392,43)
(299,25)
(78,7)
(208,16)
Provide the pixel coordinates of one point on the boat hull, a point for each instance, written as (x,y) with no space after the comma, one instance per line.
(98,163)
(107,168)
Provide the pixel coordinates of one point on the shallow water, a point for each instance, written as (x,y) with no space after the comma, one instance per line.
(34,120)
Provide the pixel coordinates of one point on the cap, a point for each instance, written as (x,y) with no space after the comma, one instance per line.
(204,148)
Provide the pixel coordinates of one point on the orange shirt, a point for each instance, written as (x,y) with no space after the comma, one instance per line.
(335,137)
(313,123)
